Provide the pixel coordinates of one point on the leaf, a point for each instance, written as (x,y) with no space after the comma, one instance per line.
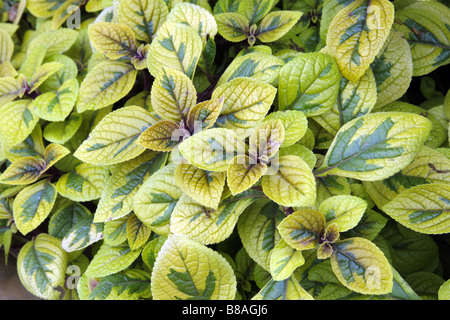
(137,232)
(156,199)
(233,26)
(246,102)
(309,83)
(294,122)
(185,269)
(17,121)
(204,187)
(65,217)
(10,89)
(425,29)
(106,146)
(243,173)
(257,229)
(57,105)
(57,79)
(196,17)
(106,83)
(23,171)
(62,131)
(109,260)
(55,41)
(172,95)
(276,24)
(266,140)
(288,289)
(175,46)
(86,182)
(303,229)
(126,179)
(7,47)
(284,260)
(292,185)
(423,208)
(204,114)
(115,231)
(344,210)
(114,40)
(33,204)
(144,17)
(82,235)
(392,68)
(162,136)
(204,225)
(354,99)
(41,8)
(361,266)
(42,73)
(130,285)
(375,156)
(256,65)
(212,149)
(357,33)
(255,10)
(42,266)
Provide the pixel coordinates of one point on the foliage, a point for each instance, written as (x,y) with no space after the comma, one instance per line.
(254,149)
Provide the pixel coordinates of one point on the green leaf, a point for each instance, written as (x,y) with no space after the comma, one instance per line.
(205,187)
(266,140)
(173,94)
(65,217)
(288,289)
(57,105)
(361,266)
(10,89)
(114,40)
(204,114)
(130,285)
(423,208)
(86,182)
(42,73)
(204,225)
(185,269)
(23,171)
(17,121)
(233,26)
(106,83)
(392,68)
(284,260)
(257,228)
(212,149)
(126,179)
(109,260)
(137,232)
(151,250)
(309,83)
(246,102)
(162,136)
(33,204)
(175,46)
(82,234)
(357,33)
(303,229)
(243,173)
(7,47)
(42,266)
(425,27)
(346,211)
(55,41)
(115,231)
(255,10)
(292,185)
(62,131)
(276,24)
(294,122)
(156,199)
(376,146)
(105,146)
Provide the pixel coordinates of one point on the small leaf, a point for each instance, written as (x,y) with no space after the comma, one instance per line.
(423,208)
(266,140)
(137,232)
(55,41)
(42,265)
(173,275)
(23,171)
(105,146)
(255,10)
(106,83)
(62,131)
(7,47)
(284,260)
(82,235)
(162,136)
(204,114)
(303,229)
(175,46)
(294,122)
(288,289)
(232,26)
(114,40)
(276,24)
(345,211)
(292,185)
(242,173)
(33,204)
(361,266)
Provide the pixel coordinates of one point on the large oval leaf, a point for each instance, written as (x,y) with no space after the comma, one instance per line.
(357,34)
(361,266)
(344,210)
(185,269)
(423,208)
(309,83)
(42,265)
(112,140)
(376,146)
